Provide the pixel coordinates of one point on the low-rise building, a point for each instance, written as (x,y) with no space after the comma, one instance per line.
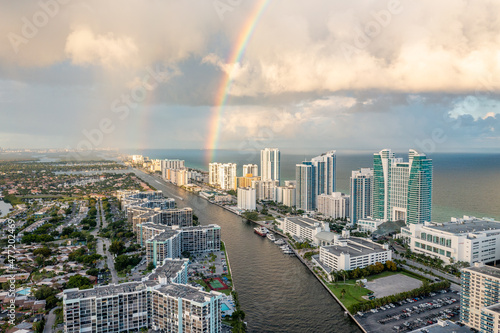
(468,239)
(351,252)
(368,224)
(303,227)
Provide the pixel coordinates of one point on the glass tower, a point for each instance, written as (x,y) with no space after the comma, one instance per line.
(402,190)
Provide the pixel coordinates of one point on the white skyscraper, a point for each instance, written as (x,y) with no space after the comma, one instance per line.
(335,205)
(266,189)
(227,176)
(270,164)
(213,174)
(250,169)
(247,198)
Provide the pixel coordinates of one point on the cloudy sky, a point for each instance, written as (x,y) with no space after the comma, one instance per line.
(336,74)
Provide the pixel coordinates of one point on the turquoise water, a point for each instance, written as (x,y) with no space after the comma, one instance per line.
(24,292)
(464,183)
(224,307)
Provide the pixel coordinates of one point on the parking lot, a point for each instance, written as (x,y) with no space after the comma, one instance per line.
(409,315)
(393,284)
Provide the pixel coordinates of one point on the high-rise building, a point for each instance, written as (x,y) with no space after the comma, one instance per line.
(286,195)
(222,175)
(247,198)
(172,164)
(161,301)
(335,205)
(480,297)
(246,181)
(182,308)
(167,166)
(228,176)
(325,172)
(213,174)
(314,178)
(361,194)
(402,190)
(265,189)
(305,189)
(270,164)
(252,169)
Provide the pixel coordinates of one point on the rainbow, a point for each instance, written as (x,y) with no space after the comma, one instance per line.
(227,80)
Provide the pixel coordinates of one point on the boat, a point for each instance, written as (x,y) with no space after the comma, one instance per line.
(271,237)
(261,231)
(280,242)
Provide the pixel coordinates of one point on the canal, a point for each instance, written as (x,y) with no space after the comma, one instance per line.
(277,292)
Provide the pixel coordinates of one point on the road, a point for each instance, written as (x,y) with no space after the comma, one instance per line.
(100,241)
(434,271)
(49,321)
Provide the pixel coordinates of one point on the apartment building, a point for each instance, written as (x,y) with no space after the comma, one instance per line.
(163,242)
(182,308)
(247,198)
(351,253)
(166,245)
(160,301)
(480,298)
(201,238)
(361,183)
(335,205)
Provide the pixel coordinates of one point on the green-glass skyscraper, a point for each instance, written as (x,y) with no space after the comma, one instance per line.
(402,190)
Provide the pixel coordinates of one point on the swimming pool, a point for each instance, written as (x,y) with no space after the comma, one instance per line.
(224,307)
(24,292)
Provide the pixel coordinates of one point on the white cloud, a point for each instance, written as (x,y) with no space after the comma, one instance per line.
(84,47)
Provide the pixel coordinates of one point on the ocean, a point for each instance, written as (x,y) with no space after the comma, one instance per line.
(464,183)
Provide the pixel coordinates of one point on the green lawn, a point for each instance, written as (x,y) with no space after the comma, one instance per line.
(352,295)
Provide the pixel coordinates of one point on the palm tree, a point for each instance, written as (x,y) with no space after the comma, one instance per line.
(334,276)
(343,274)
(359,283)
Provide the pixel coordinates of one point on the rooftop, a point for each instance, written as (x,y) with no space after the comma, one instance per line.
(305,222)
(355,247)
(167,234)
(469,226)
(486,270)
(185,292)
(210,226)
(494,308)
(103,291)
(155,226)
(168,270)
(443,327)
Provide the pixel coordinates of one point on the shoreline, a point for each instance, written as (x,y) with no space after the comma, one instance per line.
(262,223)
